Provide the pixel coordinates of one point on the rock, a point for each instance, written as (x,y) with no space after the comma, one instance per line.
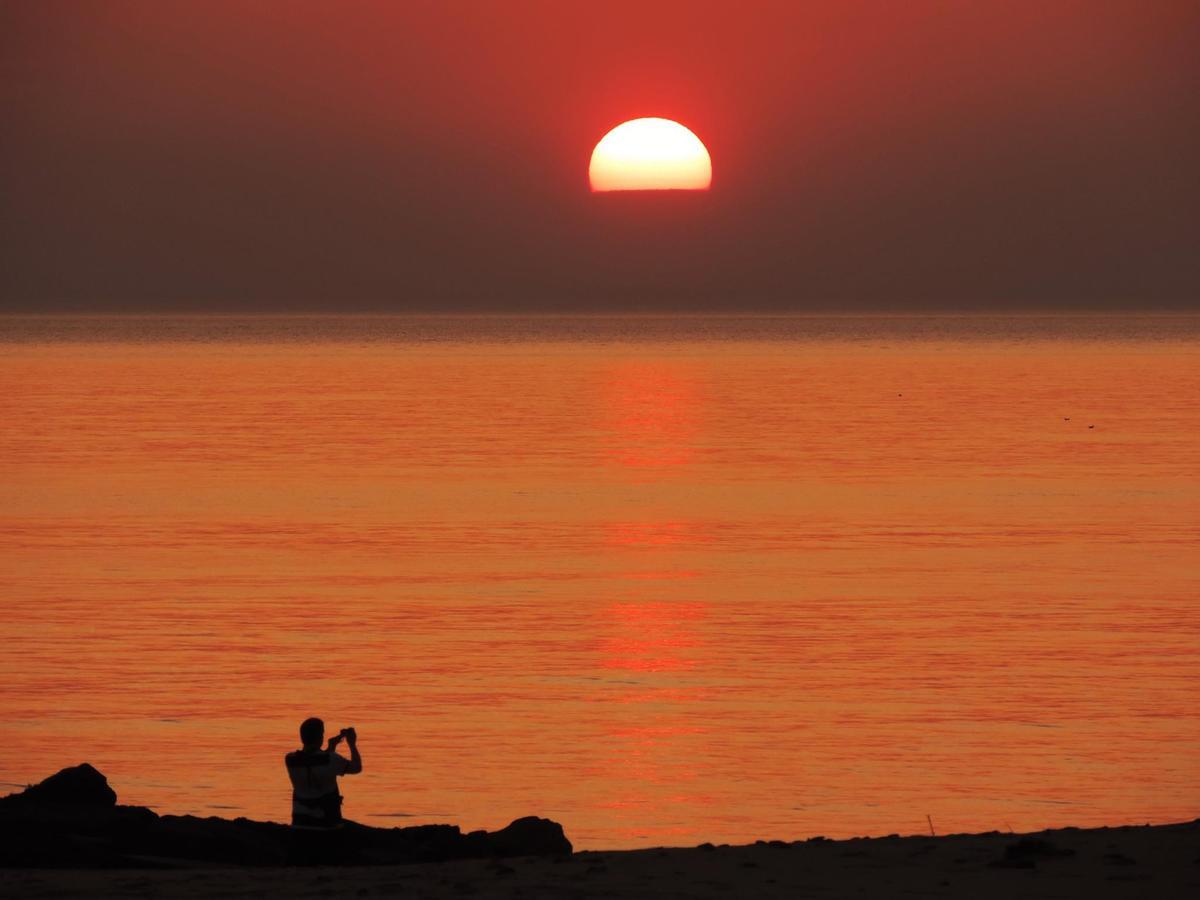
(80,785)
(71,820)
(530,836)
(240,842)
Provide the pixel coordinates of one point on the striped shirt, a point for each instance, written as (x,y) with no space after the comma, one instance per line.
(316,802)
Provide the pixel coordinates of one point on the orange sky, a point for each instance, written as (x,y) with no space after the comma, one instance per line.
(425,155)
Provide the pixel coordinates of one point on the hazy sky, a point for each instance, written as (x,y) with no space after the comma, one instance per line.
(261,156)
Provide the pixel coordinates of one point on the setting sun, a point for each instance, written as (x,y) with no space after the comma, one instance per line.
(650,155)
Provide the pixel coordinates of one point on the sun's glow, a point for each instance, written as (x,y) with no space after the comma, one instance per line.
(650,155)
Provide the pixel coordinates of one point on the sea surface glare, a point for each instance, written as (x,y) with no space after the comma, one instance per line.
(664,580)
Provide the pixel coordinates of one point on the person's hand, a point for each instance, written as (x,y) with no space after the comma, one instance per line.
(350,734)
(334,741)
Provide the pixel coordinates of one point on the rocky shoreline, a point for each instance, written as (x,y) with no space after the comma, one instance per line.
(72,820)
(67,837)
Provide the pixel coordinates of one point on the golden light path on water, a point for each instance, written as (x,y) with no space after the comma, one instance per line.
(664,590)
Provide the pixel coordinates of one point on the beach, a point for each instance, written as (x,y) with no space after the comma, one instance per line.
(1133,861)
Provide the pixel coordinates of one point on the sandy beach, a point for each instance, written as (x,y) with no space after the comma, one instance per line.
(1134,861)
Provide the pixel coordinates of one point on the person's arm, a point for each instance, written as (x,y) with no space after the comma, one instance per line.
(355,759)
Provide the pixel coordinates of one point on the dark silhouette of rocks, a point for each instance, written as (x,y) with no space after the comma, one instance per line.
(528,836)
(80,785)
(72,820)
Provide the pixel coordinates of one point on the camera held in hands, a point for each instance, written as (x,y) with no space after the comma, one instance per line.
(349,734)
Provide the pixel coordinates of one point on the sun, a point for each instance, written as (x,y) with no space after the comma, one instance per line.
(650,155)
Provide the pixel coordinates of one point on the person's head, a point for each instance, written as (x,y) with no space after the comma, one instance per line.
(312,733)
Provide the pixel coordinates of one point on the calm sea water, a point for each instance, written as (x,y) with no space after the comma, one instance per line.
(663,580)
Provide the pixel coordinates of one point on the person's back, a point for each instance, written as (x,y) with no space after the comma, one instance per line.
(316,801)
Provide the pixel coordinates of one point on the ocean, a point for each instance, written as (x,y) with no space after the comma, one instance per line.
(662,579)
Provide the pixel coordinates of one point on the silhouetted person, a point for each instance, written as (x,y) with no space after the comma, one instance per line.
(316,800)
